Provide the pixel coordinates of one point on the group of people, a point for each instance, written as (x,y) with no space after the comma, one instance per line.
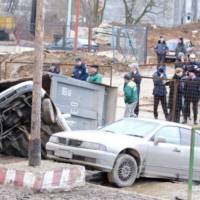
(82,72)
(86,73)
(161,50)
(184,88)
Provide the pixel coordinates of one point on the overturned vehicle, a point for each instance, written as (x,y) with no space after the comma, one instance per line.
(15,118)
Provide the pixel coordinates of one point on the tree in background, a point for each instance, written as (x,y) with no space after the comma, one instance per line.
(135,10)
(93,11)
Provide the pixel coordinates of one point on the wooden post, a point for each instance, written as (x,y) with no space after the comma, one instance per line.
(89,37)
(35,137)
(174,100)
(78,5)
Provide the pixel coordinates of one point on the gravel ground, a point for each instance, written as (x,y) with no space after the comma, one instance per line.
(89,192)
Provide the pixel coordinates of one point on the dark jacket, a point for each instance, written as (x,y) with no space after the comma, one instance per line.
(178,91)
(159,84)
(194,65)
(136,78)
(80,73)
(161,48)
(192,89)
(180,49)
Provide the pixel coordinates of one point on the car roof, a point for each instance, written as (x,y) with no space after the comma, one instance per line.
(161,122)
(176,40)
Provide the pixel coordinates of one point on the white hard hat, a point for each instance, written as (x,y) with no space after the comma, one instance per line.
(134,65)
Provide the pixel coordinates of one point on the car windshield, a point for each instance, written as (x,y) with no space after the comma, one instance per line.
(133,127)
(171,45)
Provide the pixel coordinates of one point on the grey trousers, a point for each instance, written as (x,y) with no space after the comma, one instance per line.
(129,110)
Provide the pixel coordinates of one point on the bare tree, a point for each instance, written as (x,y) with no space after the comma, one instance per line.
(93,11)
(134,12)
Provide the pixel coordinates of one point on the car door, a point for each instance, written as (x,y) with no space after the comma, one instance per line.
(185,142)
(163,159)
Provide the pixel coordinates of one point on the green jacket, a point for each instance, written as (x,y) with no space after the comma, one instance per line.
(130,92)
(96,78)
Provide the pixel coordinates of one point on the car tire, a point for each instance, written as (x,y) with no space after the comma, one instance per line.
(48,113)
(124,172)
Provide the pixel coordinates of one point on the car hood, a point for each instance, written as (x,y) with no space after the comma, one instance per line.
(111,140)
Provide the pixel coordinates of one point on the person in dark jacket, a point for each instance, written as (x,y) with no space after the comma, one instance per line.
(191,95)
(180,48)
(54,68)
(80,71)
(175,96)
(193,63)
(161,49)
(130,96)
(180,61)
(136,77)
(160,92)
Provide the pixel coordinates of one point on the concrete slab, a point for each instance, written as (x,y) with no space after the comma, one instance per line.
(50,176)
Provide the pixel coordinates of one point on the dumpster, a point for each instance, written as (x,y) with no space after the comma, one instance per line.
(90,105)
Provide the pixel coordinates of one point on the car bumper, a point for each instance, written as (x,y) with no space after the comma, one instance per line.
(173,57)
(95,159)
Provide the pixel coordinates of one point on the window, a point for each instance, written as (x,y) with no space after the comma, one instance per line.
(171,134)
(185,136)
(132,126)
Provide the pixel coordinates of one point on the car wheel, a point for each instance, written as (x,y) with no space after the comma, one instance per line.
(124,171)
(48,114)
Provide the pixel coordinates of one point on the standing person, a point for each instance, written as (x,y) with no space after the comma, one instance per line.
(130,96)
(180,61)
(180,48)
(136,77)
(194,63)
(80,71)
(191,95)
(54,68)
(161,49)
(160,92)
(94,75)
(178,91)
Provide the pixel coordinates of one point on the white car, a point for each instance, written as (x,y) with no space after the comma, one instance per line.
(129,149)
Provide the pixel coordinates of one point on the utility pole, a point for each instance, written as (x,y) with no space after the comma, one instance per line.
(68,23)
(35,137)
(69,14)
(77,7)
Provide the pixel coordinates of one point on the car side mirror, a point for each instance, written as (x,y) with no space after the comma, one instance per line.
(158,140)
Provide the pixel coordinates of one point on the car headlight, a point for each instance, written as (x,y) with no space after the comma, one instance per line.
(53,139)
(93,146)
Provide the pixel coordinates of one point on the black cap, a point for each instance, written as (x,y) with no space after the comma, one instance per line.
(127,77)
(78,59)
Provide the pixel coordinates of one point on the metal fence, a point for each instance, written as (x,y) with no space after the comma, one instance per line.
(131,42)
(175,100)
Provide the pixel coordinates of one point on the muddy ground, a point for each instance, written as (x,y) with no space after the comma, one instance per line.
(97,188)
(88,192)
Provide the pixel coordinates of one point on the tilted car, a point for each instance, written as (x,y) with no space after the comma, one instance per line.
(15,119)
(129,149)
